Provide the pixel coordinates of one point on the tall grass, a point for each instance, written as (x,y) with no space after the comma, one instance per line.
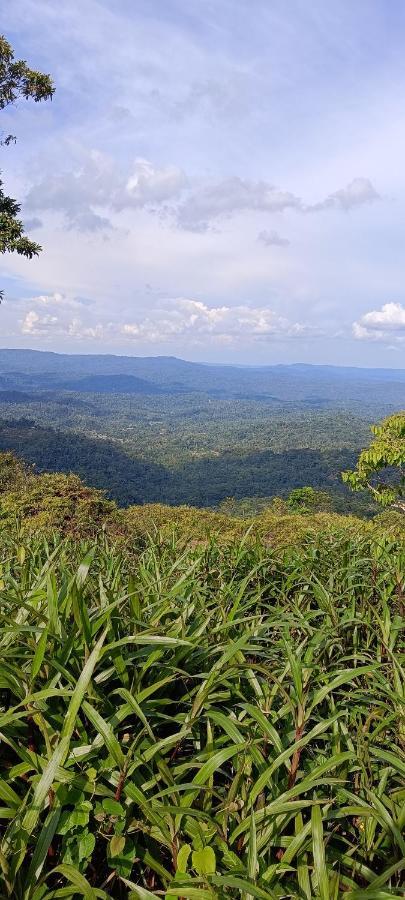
(215,722)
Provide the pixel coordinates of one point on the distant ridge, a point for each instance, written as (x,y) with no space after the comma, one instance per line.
(9,357)
(112,384)
(312,385)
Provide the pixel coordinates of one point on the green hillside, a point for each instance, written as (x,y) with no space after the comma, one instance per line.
(197,704)
(203,481)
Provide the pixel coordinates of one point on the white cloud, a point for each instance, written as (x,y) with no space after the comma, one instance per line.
(234,195)
(184,317)
(77,329)
(230,196)
(148,184)
(97,189)
(272,239)
(59,300)
(258,120)
(360,191)
(98,186)
(76,192)
(385,324)
(35,324)
(88,220)
(53,326)
(50,299)
(172,319)
(63,317)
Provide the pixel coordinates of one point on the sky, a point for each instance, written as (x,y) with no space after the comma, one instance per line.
(220,180)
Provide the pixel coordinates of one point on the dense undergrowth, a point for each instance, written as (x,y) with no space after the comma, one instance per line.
(42,503)
(217,720)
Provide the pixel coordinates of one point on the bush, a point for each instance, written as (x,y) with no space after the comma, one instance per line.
(48,502)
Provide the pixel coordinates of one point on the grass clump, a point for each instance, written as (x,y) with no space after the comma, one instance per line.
(204,722)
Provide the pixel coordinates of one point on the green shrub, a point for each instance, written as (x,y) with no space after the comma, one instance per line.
(222,720)
(63,502)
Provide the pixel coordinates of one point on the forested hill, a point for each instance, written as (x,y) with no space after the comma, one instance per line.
(199,482)
(150,429)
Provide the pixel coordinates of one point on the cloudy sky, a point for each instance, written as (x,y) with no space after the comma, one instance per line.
(214,179)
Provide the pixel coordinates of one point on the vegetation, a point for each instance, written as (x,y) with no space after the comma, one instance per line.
(13,474)
(198,482)
(197,703)
(387,452)
(186,434)
(60,501)
(220,721)
(191,387)
(172,430)
(17,81)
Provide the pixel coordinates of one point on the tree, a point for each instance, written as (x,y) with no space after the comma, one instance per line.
(13,473)
(386,455)
(17,81)
(308,500)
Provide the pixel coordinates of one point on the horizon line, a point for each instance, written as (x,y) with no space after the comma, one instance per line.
(230,365)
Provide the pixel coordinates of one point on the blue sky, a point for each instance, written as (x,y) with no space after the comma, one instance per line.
(214,179)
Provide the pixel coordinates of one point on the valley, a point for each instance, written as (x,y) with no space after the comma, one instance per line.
(163,430)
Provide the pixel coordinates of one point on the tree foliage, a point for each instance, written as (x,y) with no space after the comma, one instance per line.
(12,237)
(129,478)
(17,81)
(380,468)
(13,473)
(306,499)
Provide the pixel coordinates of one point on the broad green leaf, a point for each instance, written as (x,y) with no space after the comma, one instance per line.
(203,861)
(182,858)
(117,844)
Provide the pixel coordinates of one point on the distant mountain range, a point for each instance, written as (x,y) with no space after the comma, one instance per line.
(34,370)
